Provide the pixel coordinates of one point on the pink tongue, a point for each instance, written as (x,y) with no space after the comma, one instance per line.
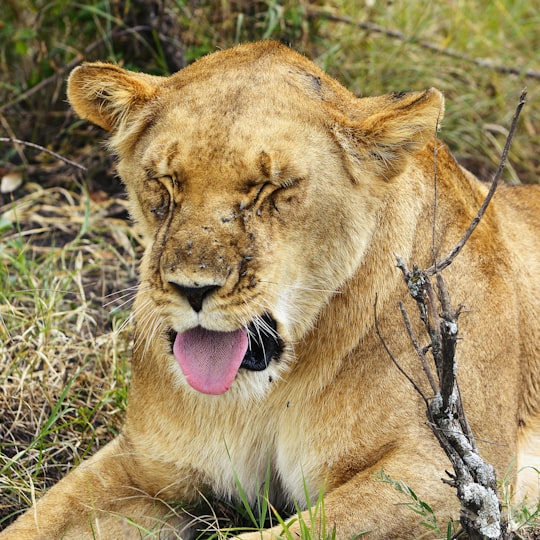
(209,359)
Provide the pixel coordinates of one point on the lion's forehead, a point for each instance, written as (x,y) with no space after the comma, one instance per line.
(241,156)
(277,80)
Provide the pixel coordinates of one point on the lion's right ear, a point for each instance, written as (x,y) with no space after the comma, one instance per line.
(107,95)
(396,125)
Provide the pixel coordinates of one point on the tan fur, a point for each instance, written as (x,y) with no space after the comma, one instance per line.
(253,171)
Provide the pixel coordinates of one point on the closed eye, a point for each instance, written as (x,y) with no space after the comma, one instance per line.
(264,191)
(267,191)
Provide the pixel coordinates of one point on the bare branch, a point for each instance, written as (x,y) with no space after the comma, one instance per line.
(42,149)
(474,478)
(395,34)
(68,67)
(448,333)
(441,265)
(392,357)
(419,350)
(435,193)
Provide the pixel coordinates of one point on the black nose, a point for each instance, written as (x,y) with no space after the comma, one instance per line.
(194,295)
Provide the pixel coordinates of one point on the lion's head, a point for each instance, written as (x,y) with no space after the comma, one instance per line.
(256,180)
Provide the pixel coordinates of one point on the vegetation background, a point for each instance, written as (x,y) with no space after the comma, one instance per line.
(67,249)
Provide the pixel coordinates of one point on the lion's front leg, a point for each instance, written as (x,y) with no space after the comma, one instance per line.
(366,507)
(98,499)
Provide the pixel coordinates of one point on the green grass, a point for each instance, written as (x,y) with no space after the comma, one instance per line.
(65,245)
(524,519)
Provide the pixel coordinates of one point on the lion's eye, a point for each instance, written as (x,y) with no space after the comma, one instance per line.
(263,191)
(270,194)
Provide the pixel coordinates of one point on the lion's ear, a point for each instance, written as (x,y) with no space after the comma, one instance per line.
(398,124)
(106,94)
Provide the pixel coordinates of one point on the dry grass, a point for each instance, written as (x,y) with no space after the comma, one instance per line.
(63,348)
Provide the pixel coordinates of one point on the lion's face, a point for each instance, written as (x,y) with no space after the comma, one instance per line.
(250,231)
(257,194)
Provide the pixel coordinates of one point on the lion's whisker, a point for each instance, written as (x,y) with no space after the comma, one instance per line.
(300,287)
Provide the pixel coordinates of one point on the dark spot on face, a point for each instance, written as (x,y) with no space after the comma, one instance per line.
(375,155)
(398,95)
(229,218)
(308,81)
(316,82)
(265,164)
(160,211)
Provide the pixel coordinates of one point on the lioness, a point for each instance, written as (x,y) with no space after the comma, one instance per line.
(273,203)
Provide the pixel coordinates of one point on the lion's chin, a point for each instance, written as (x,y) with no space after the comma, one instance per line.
(210,360)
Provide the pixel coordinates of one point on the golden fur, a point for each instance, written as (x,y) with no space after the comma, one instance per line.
(254,174)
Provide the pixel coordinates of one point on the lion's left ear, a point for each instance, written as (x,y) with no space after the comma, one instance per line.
(398,125)
(108,95)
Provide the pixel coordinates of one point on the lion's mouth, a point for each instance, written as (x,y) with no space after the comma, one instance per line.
(210,360)
(264,344)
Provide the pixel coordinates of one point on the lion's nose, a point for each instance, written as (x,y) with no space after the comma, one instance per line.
(194,295)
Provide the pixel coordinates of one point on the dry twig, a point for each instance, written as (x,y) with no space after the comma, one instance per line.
(42,149)
(474,478)
(68,67)
(441,265)
(395,34)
